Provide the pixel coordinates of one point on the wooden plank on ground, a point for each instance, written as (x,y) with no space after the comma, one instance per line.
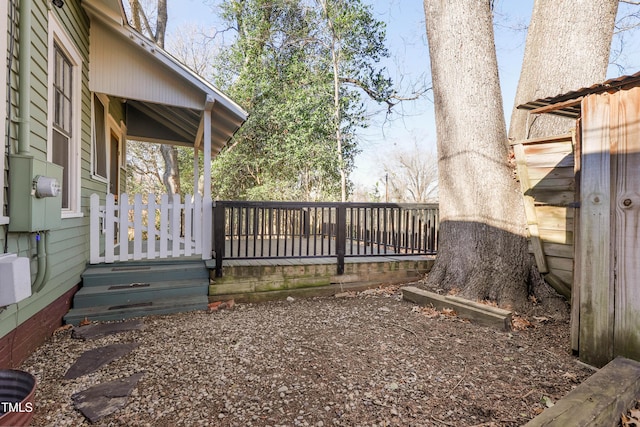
(482,314)
(599,400)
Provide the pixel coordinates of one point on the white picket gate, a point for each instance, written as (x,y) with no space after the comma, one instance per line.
(123,231)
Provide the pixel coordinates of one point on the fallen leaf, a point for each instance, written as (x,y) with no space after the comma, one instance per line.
(62,329)
(85,322)
(449,312)
(489,303)
(429,312)
(520,323)
(547,401)
(628,422)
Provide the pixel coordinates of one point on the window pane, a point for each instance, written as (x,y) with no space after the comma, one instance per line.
(60,157)
(62,91)
(67,115)
(99,148)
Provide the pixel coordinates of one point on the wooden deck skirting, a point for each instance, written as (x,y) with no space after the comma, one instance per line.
(253,280)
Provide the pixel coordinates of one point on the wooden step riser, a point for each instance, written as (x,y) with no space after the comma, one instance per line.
(139,294)
(104,313)
(143,276)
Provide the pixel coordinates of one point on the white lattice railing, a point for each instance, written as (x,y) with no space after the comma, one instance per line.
(123,231)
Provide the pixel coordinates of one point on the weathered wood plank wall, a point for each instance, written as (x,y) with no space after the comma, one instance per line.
(545,169)
(626,213)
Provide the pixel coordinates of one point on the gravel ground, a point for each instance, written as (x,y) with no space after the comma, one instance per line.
(366,360)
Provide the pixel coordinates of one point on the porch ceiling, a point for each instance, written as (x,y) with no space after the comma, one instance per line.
(165,101)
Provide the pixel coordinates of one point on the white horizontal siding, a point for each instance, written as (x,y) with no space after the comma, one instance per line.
(121,67)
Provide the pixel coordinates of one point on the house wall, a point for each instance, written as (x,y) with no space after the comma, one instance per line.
(68,246)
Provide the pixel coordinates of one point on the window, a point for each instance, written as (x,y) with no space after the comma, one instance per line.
(4,39)
(62,114)
(65,71)
(99,138)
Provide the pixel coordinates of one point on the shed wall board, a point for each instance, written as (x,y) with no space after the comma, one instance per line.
(626,205)
(596,297)
(547,176)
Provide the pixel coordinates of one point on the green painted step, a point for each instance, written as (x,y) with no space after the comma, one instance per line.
(101,275)
(127,311)
(136,292)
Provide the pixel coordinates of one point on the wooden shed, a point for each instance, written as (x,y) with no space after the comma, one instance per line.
(582,195)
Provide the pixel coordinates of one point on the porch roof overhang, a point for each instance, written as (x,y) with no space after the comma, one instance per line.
(165,101)
(569,104)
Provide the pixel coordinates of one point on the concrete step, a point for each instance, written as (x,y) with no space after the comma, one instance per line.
(127,311)
(101,275)
(137,292)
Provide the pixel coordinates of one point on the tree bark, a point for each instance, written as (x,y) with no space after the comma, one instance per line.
(567,48)
(483,249)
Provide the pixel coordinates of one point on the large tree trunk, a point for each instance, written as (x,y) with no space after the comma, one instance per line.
(568,45)
(483,249)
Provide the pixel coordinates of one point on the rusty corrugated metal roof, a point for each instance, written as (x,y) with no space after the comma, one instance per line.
(573,109)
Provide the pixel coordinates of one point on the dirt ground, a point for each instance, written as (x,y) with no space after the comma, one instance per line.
(366,359)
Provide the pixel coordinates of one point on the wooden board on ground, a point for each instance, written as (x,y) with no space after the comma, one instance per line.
(480,313)
(599,400)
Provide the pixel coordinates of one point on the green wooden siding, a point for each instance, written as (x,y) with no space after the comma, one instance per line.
(68,246)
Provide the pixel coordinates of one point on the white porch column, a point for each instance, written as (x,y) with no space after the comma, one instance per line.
(196,169)
(207,205)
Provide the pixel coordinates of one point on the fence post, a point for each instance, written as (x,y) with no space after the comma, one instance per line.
(341,234)
(218,235)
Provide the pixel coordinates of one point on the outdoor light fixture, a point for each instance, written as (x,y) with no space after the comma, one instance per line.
(58,3)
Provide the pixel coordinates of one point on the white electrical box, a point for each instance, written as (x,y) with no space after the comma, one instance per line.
(15,279)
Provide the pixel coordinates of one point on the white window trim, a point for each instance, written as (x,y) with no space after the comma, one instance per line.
(105,103)
(58,35)
(114,128)
(4,47)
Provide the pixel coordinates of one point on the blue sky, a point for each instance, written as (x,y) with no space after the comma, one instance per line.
(409,63)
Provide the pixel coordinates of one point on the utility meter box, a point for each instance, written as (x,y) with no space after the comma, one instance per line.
(35,202)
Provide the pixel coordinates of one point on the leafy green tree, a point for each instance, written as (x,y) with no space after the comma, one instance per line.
(283,152)
(301,69)
(355,42)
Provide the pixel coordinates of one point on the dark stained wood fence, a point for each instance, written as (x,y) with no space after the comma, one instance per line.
(305,229)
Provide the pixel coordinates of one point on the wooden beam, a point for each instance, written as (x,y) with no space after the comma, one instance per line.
(480,313)
(543,139)
(596,290)
(530,210)
(599,400)
(558,106)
